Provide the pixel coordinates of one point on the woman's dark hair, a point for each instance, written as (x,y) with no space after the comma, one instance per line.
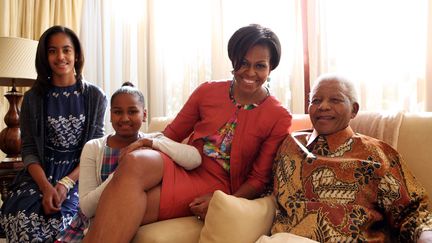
(43,68)
(129,88)
(249,36)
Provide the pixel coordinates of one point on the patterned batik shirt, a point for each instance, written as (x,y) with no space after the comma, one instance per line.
(347,187)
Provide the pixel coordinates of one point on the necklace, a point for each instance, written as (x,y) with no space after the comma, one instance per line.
(255,99)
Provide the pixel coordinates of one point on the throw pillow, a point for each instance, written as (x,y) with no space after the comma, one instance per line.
(233,219)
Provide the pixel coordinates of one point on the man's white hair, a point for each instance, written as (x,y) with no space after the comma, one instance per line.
(347,85)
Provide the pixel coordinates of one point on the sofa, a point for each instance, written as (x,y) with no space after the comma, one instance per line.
(231,219)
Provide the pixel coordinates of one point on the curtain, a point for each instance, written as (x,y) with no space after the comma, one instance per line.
(29,19)
(381,45)
(428,90)
(114,35)
(167,48)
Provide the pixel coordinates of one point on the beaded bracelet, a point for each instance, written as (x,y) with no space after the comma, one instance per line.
(67,182)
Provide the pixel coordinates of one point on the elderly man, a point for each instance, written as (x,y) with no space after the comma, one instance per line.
(334,185)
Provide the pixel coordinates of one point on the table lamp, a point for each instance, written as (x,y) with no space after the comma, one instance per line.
(17,68)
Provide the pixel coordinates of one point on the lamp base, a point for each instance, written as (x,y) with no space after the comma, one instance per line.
(10,143)
(10,137)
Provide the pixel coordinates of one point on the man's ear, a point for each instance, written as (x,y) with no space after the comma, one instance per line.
(355,109)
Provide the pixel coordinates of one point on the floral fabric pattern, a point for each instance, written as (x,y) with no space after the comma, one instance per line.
(218,146)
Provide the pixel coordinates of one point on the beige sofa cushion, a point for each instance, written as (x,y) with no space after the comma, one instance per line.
(233,219)
(414,144)
(158,124)
(182,230)
(384,126)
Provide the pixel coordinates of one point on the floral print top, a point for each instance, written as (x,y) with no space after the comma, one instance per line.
(347,187)
(218,145)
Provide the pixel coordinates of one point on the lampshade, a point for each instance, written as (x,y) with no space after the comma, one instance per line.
(17,61)
(17,68)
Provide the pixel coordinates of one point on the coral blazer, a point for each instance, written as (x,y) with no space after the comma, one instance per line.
(257,136)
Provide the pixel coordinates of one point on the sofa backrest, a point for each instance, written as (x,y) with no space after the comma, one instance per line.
(414,137)
(414,144)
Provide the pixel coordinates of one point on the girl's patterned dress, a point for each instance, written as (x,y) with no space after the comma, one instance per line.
(22,215)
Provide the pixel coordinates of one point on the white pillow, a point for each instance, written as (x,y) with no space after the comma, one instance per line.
(283,238)
(233,219)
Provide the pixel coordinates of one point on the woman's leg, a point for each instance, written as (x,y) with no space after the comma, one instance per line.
(123,204)
(152,211)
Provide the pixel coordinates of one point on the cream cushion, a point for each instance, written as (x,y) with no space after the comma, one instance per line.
(183,230)
(283,238)
(233,219)
(414,144)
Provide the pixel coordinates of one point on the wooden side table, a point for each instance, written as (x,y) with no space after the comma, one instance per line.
(8,171)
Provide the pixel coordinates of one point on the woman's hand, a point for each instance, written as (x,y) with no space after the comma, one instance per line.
(62,192)
(200,205)
(50,200)
(140,143)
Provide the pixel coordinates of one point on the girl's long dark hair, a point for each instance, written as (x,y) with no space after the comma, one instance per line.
(43,69)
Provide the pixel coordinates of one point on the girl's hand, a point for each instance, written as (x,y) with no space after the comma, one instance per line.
(200,205)
(140,143)
(61,192)
(50,200)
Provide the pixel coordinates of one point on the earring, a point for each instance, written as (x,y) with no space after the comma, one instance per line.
(268,79)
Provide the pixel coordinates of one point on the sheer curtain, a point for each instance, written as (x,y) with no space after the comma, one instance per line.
(381,45)
(167,48)
(114,35)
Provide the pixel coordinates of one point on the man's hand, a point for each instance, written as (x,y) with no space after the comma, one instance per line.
(425,237)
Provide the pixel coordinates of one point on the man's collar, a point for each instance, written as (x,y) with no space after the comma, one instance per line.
(334,140)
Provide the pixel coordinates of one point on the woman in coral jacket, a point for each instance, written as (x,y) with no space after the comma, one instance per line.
(237,126)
